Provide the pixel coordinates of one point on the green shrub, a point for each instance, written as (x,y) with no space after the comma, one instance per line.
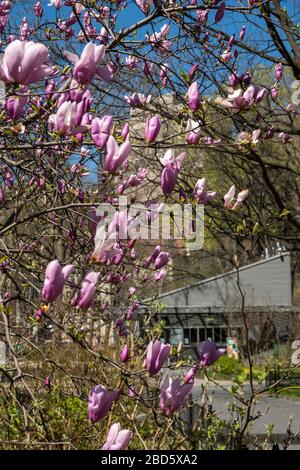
(227,367)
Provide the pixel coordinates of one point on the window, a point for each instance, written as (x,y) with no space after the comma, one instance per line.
(167,335)
(190,335)
(194,336)
(217,332)
(224,334)
(186,336)
(202,335)
(175,336)
(209,334)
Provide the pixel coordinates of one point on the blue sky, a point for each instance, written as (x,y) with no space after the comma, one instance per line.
(133,14)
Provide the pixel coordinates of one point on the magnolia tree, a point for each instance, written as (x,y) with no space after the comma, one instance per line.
(86,117)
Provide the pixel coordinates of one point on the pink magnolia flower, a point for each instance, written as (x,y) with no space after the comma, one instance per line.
(24,29)
(106,247)
(159,275)
(93,220)
(211,141)
(103,36)
(100,402)
(116,155)
(144,5)
(161,260)
(163,74)
(190,376)
(125,131)
(193,132)
(131,61)
(132,309)
(103,12)
(47,382)
(133,180)
(133,254)
(101,129)
(245,138)
(8,177)
(208,354)
(173,394)
(137,99)
(15,104)
(124,356)
(50,89)
(160,40)
(137,178)
(285,137)
(89,64)
(148,68)
(229,198)
(278,72)
(226,56)
(55,278)
(201,194)
(231,40)
(5,7)
(38,9)
(123,224)
(106,72)
(242,33)
(274,92)
(157,354)
(77,6)
(194,97)
(131,291)
(84,299)
(55,3)
(240,99)
(152,128)
(202,16)
(69,118)
(246,78)
(2,196)
(234,80)
(117,438)
(220,12)
(292,109)
(23,62)
(153,211)
(172,166)
(152,257)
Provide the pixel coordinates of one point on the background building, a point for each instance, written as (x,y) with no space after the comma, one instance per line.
(216,308)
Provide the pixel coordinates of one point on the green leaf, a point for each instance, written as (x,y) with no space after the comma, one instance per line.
(184,75)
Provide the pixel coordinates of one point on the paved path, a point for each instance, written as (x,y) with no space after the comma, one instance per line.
(275,410)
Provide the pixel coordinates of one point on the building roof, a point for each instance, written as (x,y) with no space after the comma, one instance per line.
(265,283)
